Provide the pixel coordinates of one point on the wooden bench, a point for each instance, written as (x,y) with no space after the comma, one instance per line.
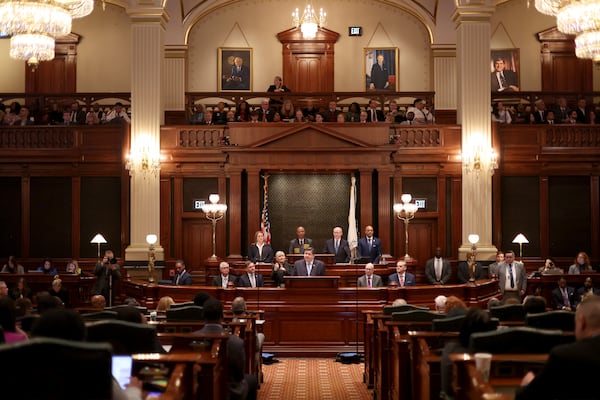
(506,373)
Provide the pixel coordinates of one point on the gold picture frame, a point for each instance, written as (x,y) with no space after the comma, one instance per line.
(235,69)
(377,77)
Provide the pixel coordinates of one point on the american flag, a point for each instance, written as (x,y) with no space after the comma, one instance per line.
(265,225)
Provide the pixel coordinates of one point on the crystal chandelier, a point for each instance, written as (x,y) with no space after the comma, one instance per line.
(577,17)
(34,25)
(310,21)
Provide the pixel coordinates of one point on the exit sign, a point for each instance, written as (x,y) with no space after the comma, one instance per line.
(198,204)
(421,203)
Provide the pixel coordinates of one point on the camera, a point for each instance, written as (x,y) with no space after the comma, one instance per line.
(113,261)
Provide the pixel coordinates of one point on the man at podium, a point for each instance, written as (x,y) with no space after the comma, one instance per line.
(309,266)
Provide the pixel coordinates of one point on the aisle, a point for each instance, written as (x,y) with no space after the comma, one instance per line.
(313,378)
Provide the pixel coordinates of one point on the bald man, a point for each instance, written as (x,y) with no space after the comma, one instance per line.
(577,363)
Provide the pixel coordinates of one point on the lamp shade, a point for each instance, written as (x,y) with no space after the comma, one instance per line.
(520,238)
(151,239)
(98,239)
(473,238)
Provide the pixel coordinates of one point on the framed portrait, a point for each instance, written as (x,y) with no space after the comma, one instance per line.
(381,69)
(505,70)
(235,69)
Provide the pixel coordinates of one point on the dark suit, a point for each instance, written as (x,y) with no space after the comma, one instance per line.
(295,247)
(463,274)
(409,279)
(265,114)
(318,268)
(266,256)
(343,253)
(581,291)
(510,78)
(430,272)
(376,281)
(539,117)
(218,280)
(373,251)
(244,280)
(77,117)
(576,363)
(185,279)
(583,118)
(239,79)
(379,113)
(277,275)
(331,116)
(558,302)
(379,75)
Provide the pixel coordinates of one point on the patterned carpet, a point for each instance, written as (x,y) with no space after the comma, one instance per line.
(313,378)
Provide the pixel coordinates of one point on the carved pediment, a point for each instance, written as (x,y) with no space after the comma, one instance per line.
(321,136)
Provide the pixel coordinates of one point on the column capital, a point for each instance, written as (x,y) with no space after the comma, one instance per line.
(469,12)
(149,13)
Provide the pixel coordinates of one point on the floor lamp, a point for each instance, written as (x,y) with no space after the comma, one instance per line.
(151,240)
(98,239)
(214,212)
(405,211)
(472,257)
(520,238)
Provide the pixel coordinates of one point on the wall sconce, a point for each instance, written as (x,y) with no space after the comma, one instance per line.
(405,211)
(151,240)
(144,161)
(480,160)
(520,238)
(214,212)
(472,257)
(98,239)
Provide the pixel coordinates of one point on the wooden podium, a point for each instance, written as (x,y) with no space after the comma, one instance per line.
(311,282)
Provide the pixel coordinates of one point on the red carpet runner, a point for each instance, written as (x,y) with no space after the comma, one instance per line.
(313,378)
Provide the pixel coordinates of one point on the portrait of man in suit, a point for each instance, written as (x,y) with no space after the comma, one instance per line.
(504,75)
(235,69)
(380,69)
(309,266)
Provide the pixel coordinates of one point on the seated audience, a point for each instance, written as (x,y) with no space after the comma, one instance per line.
(287,111)
(12,266)
(182,277)
(401,277)
(587,289)
(73,267)
(98,302)
(493,302)
(254,115)
(117,115)
(238,308)
(240,385)
(197,117)
(219,114)
(394,115)
(562,111)
(224,279)
(455,307)
(3,289)
(422,114)
(330,115)
(299,117)
(95,115)
(276,116)
(373,113)
(341,118)
(539,115)
(310,111)
(60,292)
(242,112)
(399,302)
(353,114)
(208,118)
(410,119)
(47,267)
(369,279)
(8,321)
(260,251)
(534,304)
(476,320)
(571,369)
(501,114)
(280,269)
(550,117)
(440,303)
(582,264)
(319,118)
(251,278)
(563,297)
(308,266)
(21,290)
(550,268)
(265,112)
(164,304)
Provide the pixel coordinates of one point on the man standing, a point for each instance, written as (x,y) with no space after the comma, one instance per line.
(422,115)
(503,80)
(401,277)
(563,297)
(512,278)
(223,279)
(182,277)
(438,269)
(107,273)
(369,245)
(493,267)
(379,75)
(309,266)
(338,246)
(301,243)
(576,363)
(374,114)
(369,279)
(251,278)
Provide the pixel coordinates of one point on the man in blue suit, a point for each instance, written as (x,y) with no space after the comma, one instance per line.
(369,246)
(182,277)
(251,278)
(309,266)
(401,277)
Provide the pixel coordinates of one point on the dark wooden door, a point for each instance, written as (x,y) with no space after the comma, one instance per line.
(197,246)
(307,73)
(56,76)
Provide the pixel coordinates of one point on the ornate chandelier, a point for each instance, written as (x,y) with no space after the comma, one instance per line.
(34,25)
(310,21)
(577,17)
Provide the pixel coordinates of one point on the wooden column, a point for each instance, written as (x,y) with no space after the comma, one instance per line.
(234,212)
(254,201)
